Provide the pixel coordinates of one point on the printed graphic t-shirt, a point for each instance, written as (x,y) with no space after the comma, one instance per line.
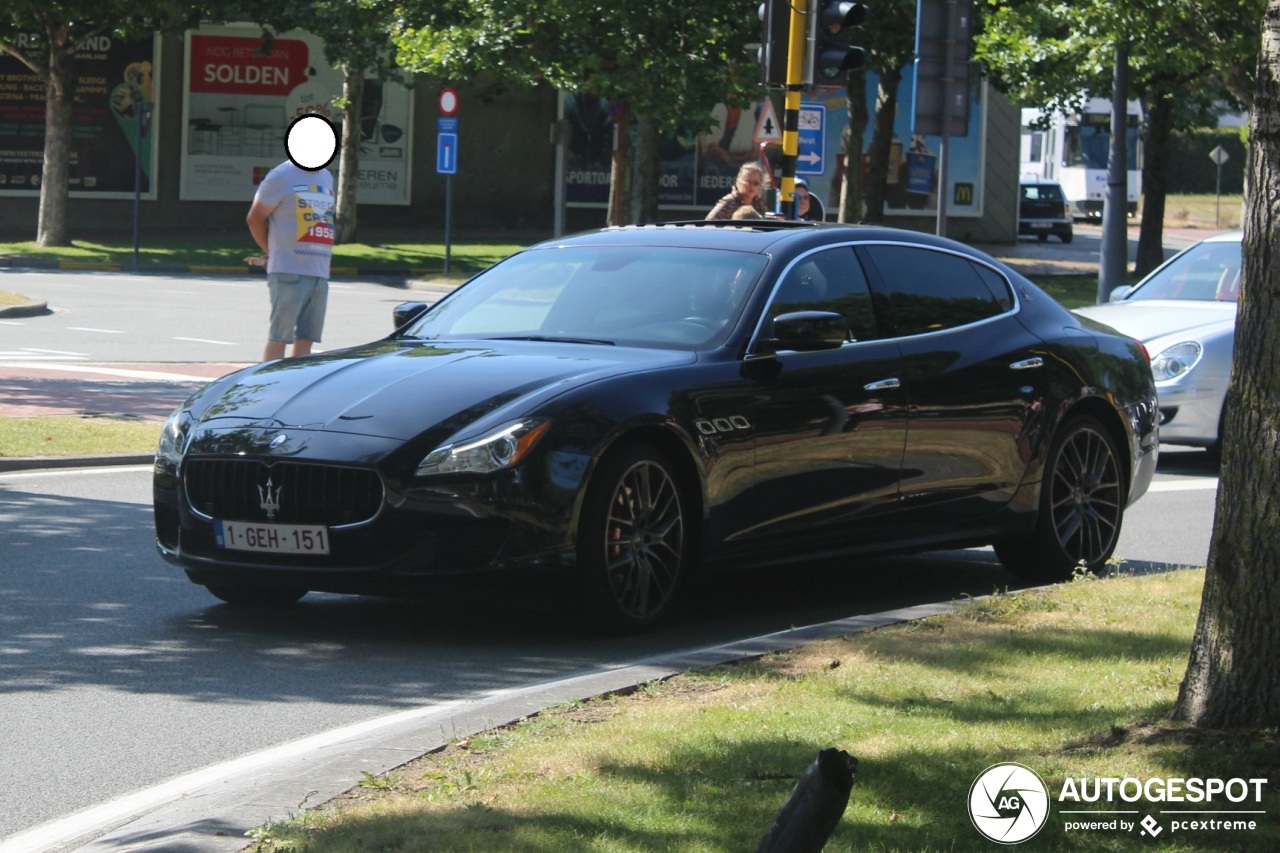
(300,230)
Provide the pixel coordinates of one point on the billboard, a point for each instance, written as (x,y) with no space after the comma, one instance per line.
(240,96)
(698,169)
(112,79)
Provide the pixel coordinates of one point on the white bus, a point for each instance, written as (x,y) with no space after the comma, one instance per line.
(1074,150)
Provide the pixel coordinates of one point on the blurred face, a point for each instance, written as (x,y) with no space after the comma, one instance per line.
(749,185)
(802,201)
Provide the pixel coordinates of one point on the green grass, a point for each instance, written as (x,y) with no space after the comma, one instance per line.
(230,252)
(74,435)
(1206,210)
(1073,291)
(1071,682)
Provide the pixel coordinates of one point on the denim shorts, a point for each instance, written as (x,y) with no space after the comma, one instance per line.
(298,303)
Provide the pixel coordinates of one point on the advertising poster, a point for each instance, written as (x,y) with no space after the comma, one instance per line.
(113,78)
(240,96)
(912,187)
(698,171)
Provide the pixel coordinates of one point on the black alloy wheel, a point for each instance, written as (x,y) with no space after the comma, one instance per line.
(633,540)
(1082,502)
(247,595)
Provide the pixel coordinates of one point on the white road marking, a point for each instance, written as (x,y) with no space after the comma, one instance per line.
(70,472)
(108,813)
(122,373)
(20,355)
(1185,485)
(57,352)
(103,331)
(207,341)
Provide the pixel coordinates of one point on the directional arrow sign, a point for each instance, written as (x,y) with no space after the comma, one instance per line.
(812,139)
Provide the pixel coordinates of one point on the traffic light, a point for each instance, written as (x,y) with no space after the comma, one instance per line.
(775,26)
(829,56)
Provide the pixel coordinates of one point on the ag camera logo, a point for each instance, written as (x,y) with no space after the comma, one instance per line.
(1008,803)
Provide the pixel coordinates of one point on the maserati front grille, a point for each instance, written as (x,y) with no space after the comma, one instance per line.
(282,492)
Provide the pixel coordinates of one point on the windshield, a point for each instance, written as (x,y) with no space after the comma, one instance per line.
(1206,271)
(631,296)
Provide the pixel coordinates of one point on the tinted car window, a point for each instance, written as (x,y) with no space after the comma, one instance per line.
(929,290)
(661,296)
(830,280)
(1042,192)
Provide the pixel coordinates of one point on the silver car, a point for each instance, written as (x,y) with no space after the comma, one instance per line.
(1185,314)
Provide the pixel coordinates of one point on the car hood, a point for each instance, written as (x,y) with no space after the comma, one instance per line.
(1150,319)
(399,389)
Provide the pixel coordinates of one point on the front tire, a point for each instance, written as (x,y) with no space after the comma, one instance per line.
(1082,499)
(633,540)
(246,595)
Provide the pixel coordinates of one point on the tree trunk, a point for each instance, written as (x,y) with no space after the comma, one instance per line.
(1155,184)
(649,157)
(881,143)
(851,190)
(620,180)
(55,179)
(345,205)
(1232,679)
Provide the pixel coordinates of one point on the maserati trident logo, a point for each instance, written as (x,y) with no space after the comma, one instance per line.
(269,499)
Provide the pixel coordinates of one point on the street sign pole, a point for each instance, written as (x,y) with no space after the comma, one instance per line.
(1219,156)
(447,160)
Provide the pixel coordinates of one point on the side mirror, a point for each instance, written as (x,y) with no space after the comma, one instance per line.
(1120,293)
(807,331)
(406,312)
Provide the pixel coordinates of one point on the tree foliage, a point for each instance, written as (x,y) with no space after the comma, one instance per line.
(1194,53)
(669,62)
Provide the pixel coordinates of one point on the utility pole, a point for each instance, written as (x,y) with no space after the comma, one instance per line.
(1115,211)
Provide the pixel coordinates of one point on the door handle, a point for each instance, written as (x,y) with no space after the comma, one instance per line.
(1028,363)
(882,385)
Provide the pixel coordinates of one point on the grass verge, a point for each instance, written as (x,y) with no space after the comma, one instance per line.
(396,256)
(73,435)
(1072,682)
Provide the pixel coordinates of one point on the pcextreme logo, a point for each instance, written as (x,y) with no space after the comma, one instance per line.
(1009,803)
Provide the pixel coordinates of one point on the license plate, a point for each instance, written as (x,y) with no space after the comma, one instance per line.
(1041,224)
(272,538)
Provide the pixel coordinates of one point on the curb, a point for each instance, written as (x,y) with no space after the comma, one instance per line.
(31,463)
(26,309)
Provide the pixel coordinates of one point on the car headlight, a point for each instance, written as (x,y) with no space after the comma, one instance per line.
(173,438)
(496,450)
(1176,360)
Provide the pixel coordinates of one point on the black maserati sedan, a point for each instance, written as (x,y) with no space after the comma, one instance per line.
(616,412)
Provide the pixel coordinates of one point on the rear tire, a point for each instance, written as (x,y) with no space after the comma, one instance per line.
(1082,499)
(246,595)
(634,541)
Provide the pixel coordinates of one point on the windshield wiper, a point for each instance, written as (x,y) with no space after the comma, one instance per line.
(554,339)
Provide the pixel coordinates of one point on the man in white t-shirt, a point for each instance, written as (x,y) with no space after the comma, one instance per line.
(291,220)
